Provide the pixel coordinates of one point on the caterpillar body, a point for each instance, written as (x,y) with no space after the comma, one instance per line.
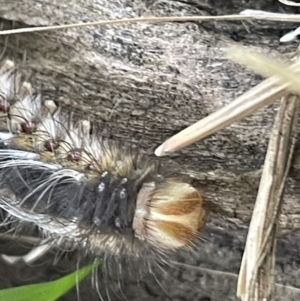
(76,187)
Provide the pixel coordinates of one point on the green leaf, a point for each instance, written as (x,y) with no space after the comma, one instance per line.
(47,291)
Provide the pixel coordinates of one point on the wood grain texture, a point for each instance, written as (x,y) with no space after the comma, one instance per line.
(146,82)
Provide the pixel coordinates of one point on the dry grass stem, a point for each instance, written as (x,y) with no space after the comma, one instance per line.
(282,78)
(285,74)
(248,15)
(256,98)
(256,278)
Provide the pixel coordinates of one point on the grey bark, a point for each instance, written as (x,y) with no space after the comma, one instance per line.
(146,82)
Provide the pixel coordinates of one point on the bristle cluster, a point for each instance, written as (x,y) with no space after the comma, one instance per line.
(76,186)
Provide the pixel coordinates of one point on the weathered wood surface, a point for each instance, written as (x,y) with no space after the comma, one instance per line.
(149,81)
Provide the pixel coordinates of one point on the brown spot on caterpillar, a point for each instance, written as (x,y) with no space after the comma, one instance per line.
(28,127)
(93,166)
(74,155)
(51,145)
(4,107)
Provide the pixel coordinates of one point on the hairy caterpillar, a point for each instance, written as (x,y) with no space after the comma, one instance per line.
(83,190)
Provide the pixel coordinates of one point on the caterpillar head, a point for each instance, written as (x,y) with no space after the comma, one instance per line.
(169,215)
